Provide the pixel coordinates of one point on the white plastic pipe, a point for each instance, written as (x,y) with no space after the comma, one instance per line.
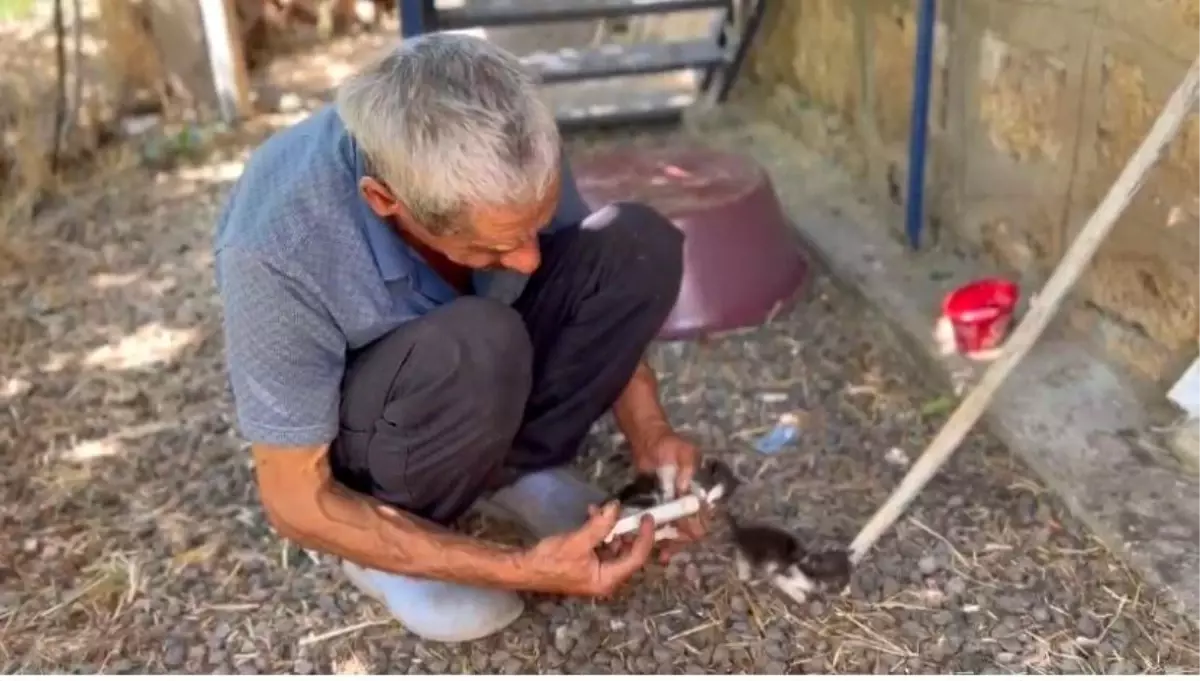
(669,512)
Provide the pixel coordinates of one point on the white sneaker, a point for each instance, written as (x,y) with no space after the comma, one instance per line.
(546,503)
(438,611)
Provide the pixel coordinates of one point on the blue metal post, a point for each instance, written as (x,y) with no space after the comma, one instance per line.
(914,218)
(412,18)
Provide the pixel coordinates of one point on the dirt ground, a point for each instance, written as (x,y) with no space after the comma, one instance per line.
(133,540)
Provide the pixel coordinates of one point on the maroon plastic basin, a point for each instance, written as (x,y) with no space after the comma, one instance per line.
(741,258)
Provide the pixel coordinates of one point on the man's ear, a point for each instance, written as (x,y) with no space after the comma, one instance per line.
(378,197)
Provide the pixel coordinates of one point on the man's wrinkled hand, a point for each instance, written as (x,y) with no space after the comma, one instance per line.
(676,457)
(569,564)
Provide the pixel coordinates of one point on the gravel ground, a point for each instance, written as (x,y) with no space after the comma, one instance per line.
(134,542)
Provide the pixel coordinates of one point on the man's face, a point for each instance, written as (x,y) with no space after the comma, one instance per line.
(502,237)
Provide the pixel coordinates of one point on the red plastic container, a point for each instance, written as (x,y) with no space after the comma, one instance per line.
(981,313)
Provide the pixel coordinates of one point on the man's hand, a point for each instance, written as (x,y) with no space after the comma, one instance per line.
(658,449)
(568,563)
(670,451)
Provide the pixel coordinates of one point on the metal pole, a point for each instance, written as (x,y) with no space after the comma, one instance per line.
(415,17)
(914,218)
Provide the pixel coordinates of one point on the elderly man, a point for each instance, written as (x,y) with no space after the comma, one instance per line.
(421,316)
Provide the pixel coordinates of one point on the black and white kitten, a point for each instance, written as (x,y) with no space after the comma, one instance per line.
(759,549)
(648,490)
(778,555)
(714,481)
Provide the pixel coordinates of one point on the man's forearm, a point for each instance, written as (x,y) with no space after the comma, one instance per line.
(638,412)
(358,528)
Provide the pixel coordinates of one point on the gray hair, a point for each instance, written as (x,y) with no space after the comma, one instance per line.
(449,121)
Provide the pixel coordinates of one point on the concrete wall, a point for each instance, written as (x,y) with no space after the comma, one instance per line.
(1037,104)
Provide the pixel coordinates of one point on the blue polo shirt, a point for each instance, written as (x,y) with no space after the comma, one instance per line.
(306,272)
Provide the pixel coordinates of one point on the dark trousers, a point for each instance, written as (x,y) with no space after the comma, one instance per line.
(476,393)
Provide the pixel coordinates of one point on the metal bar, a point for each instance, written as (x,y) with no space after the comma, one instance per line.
(656,108)
(613,60)
(753,23)
(620,119)
(721,27)
(914,205)
(513,12)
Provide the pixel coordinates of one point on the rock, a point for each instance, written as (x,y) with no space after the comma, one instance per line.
(216,656)
(1012,644)
(302,666)
(720,656)
(563,641)
(479,662)
(1123,668)
(1087,626)
(927,565)
(174,654)
(1067,665)
(775,668)
(912,629)
(1011,604)
(328,605)
(585,646)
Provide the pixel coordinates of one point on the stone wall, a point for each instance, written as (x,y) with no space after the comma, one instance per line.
(1036,106)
